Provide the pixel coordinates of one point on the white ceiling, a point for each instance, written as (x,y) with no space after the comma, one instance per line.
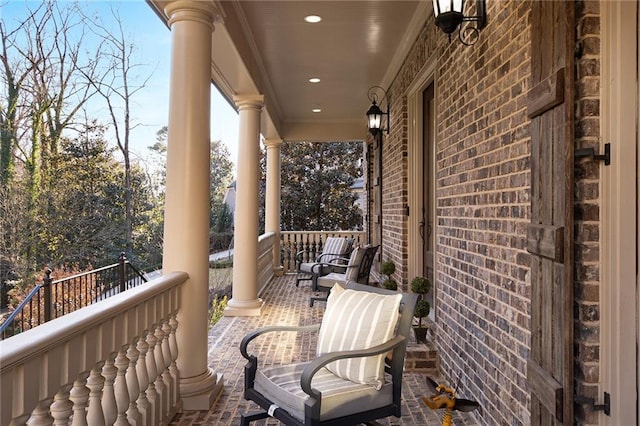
(266,47)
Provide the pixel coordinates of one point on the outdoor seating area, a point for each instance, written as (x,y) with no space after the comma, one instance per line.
(285,304)
(335,248)
(358,269)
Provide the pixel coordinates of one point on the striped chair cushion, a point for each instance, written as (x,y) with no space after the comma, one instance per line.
(336,246)
(358,320)
(340,397)
(351,274)
(332,245)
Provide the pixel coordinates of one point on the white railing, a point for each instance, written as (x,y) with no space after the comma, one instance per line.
(310,243)
(113,362)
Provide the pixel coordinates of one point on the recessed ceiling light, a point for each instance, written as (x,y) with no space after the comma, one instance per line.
(314,80)
(313,19)
(316,110)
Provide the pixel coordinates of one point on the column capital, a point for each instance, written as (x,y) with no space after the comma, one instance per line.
(249,101)
(189,10)
(272,143)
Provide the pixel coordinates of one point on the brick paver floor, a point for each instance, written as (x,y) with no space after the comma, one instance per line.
(285,304)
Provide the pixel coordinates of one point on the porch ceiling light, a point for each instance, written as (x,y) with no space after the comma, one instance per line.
(375,114)
(450,14)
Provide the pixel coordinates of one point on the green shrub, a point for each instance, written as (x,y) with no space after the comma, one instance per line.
(387,267)
(420,285)
(422,309)
(221,263)
(390,284)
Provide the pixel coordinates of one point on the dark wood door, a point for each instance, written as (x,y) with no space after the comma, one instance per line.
(428,189)
(550,234)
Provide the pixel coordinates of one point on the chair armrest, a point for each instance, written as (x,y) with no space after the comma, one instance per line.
(340,262)
(336,257)
(319,268)
(320,362)
(276,328)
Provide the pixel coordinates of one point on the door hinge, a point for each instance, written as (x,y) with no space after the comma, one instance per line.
(591,153)
(606,406)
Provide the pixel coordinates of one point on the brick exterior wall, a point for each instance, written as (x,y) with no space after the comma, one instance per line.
(587,214)
(482,206)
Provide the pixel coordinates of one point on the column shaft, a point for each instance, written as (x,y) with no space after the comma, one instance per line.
(186,228)
(272,202)
(244,300)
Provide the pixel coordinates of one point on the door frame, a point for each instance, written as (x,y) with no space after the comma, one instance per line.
(415,257)
(619,228)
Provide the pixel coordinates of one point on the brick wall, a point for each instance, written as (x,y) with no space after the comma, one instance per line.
(483,206)
(482,191)
(587,214)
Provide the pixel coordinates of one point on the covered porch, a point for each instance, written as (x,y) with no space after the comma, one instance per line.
(284,304)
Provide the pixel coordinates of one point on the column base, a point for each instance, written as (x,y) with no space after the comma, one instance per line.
(252,308)
(278,271)
(200,392)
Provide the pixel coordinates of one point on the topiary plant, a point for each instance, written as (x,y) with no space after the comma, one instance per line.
(421,286)
(387,268)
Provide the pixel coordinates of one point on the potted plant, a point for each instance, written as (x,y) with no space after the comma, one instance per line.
(421,286)
(387,268)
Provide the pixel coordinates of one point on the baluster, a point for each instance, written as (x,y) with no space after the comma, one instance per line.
(305,254)
(20,420)
(122,392)
(62,407)
(160,385)
(287,253)
(133,414)
(108,394)
(173,344)
(166,355)
(95,383)
(152,394)
(143,380)
(314,249)
(40,415)
(79,395)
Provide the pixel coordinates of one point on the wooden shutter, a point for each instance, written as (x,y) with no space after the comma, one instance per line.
(550,235)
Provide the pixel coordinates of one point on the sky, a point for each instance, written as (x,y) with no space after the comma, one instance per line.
(152,40)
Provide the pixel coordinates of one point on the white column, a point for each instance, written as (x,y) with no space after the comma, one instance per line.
(186,220)
(244,300)
(272,201)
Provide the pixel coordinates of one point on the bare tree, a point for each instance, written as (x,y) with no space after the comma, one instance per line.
(46,77)
(118,83)
(14,73)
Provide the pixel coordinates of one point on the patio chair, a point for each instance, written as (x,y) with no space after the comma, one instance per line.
(334,248)
(358,267)
(357,375)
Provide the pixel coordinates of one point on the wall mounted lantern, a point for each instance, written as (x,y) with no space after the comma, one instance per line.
(375,114)
(450,14)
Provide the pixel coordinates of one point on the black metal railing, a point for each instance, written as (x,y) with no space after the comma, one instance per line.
(53,299)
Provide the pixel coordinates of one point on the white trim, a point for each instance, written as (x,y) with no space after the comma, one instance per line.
(618,212)
(415,258)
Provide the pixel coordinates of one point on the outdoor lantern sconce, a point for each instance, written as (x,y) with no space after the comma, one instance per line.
(374,115)
(450,13)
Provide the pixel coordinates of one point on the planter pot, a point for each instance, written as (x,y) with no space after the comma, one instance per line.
(420,334)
